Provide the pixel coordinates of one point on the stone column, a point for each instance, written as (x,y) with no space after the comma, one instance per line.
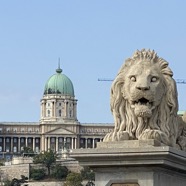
(43,108)
(75,143)
(66,109)
(46,145)
(19,144)
(34,144)
(52,114)
(75,109)
(42,143)
(54,109)
(86,143)
(64,142)
(57,144)
(4,144)
(93,143)
(26,141)
(11,146)
(72,145)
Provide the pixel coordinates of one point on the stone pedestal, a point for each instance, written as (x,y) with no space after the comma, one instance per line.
(134,163)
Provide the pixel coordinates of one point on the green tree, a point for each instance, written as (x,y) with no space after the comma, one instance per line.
(87,174)
(37,174)
(47,158)
(59,172)
(73,179)
(7,183)
(27,151)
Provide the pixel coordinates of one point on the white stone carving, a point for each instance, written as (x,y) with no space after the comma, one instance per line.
(144,102)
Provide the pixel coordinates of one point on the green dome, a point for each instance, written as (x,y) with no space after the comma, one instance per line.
(59,84)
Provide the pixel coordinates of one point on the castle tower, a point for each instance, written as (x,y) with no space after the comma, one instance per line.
(58,122)
(58,103)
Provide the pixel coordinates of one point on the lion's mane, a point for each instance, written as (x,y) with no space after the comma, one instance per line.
(164,116)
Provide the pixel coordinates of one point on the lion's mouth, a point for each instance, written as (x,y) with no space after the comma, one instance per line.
(142,101)
(142,107)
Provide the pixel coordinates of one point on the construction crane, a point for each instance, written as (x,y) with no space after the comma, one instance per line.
(179,81)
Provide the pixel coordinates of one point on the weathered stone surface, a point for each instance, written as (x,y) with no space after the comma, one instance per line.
(129,144)
(144,102)
(46,183)
(148,165)
(14,171)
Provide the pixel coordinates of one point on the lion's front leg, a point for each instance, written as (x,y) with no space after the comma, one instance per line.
(156,135)
(116,136)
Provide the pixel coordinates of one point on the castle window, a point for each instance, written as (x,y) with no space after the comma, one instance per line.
(29,140)
(1,140)
(37,140)
(52,140)
(49,104)
(60,112)
(15,140)
(15,149)
(22,140)
(7,140)
(48,113)
(0,148)
(59,104)
(0,130)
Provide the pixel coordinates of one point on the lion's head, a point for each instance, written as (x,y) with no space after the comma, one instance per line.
(144,100)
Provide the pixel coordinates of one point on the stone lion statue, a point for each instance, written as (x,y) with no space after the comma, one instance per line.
(144,102)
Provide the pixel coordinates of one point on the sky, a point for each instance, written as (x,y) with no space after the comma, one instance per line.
(92,40)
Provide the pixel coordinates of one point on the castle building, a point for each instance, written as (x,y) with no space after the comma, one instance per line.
(58,125)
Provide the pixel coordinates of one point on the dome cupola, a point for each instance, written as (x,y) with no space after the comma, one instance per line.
(59,83)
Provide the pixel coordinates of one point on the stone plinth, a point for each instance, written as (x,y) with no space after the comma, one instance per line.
(134,163)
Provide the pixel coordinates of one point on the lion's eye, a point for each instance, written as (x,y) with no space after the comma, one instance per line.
(133,78)
(154,79)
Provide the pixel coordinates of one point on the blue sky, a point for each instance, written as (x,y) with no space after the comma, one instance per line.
(92,38)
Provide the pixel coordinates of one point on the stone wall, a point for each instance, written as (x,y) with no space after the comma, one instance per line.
(21,160)
(14,171)
(46,183)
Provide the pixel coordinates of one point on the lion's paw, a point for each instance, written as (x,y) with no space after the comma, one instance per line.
(151,134)
(116,136)
(122,135)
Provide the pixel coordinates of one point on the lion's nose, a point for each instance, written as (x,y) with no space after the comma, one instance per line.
(143,88)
